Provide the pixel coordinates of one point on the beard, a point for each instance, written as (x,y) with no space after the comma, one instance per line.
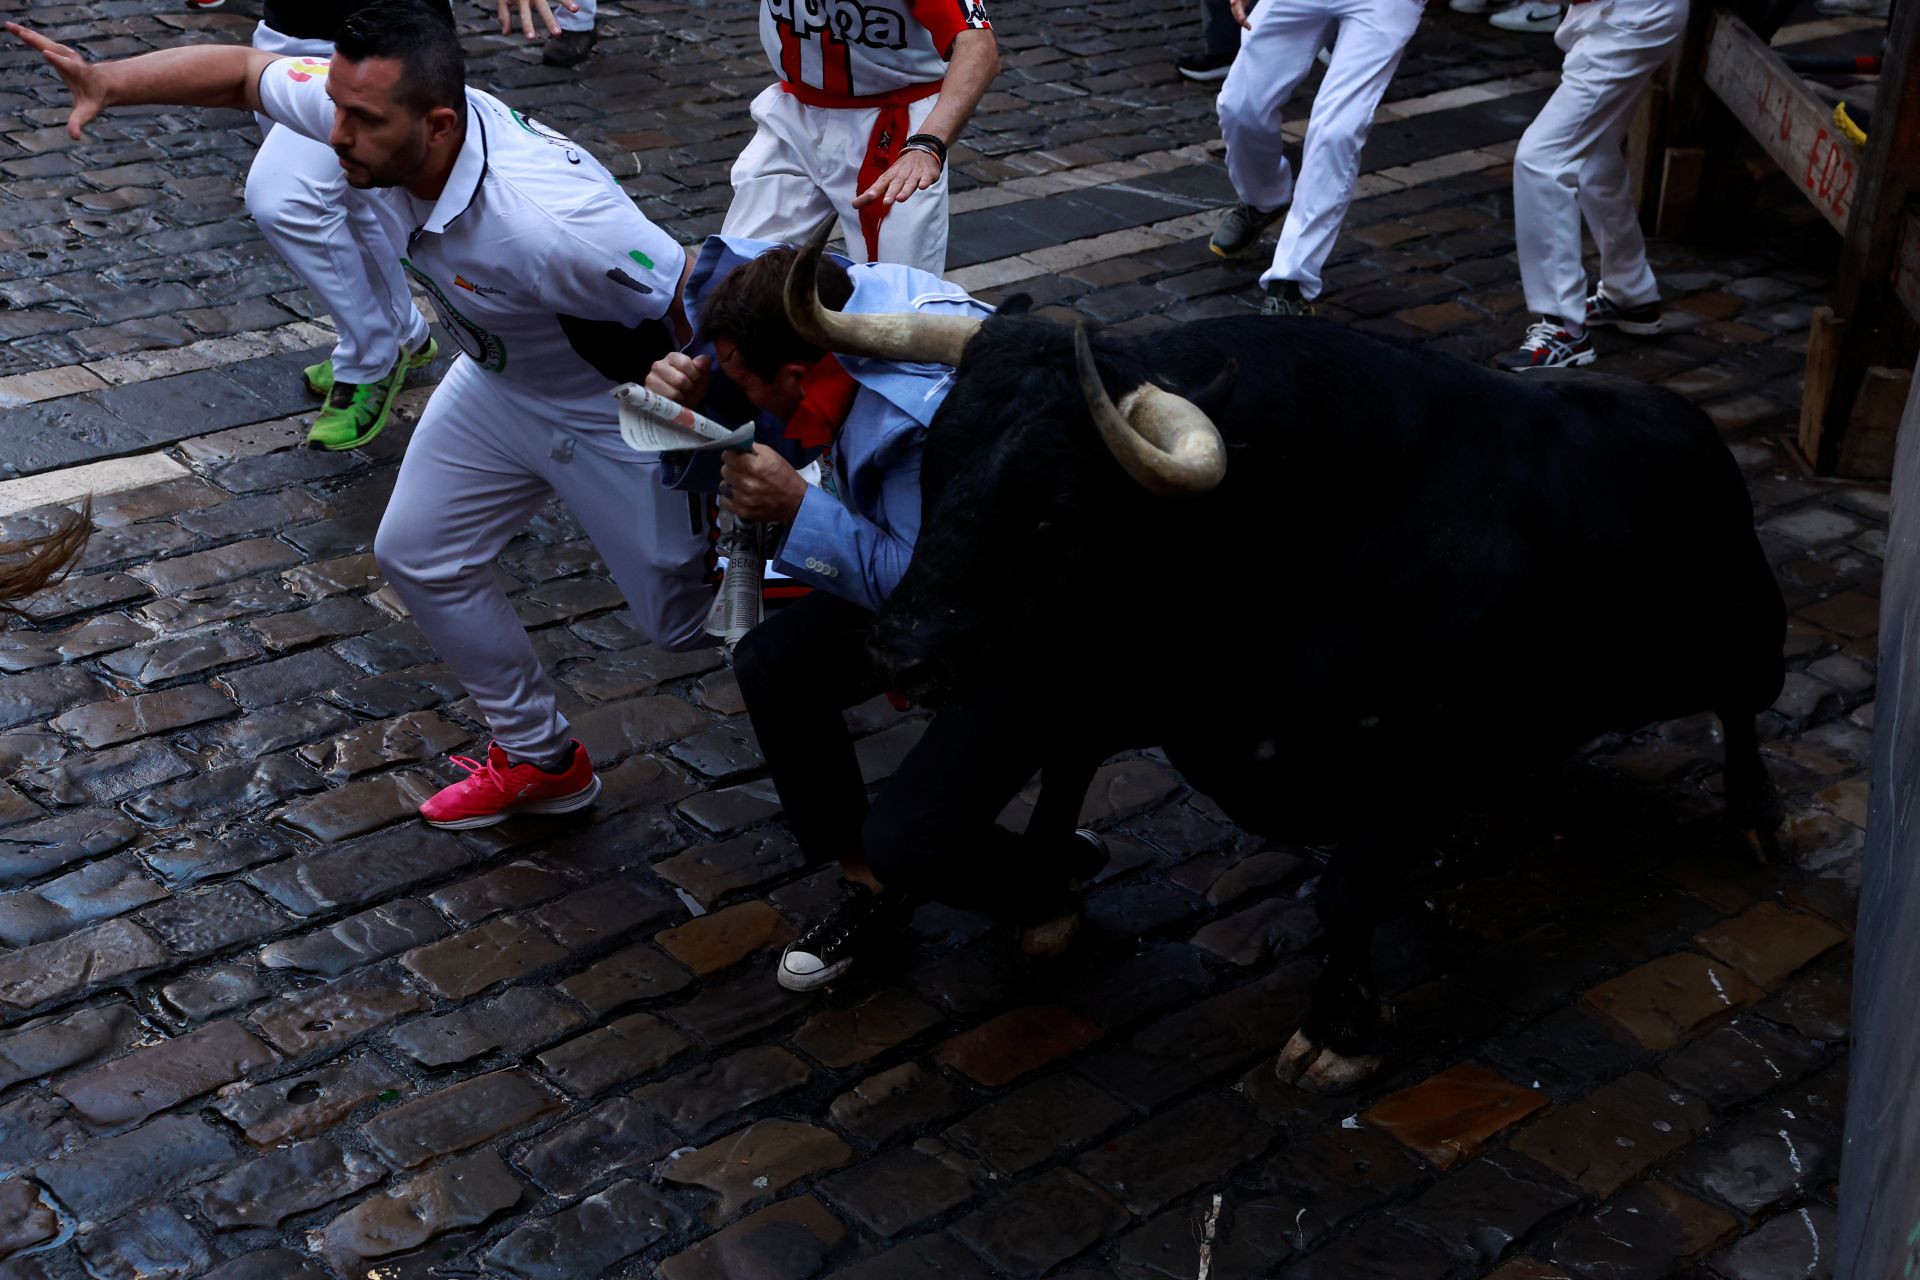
(395,170)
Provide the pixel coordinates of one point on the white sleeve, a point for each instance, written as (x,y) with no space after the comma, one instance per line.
(293,92)
(608,262)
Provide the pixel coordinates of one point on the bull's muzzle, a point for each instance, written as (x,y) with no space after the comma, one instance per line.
(909,337)
(1164,441)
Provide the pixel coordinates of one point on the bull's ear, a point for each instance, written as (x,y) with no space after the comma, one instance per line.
(1212,397)
(1016,305)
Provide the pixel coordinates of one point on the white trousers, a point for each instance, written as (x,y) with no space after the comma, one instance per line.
(1571,162)
(804,163)
(344,247)
(1275,56)
(581,21)
(487,455)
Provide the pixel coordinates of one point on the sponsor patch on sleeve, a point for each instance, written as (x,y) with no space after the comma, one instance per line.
(307,68)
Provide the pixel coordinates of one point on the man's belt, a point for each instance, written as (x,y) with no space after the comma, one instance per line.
(853,102)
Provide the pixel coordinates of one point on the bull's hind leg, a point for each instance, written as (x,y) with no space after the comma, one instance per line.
(1344,1039)
(1755,817)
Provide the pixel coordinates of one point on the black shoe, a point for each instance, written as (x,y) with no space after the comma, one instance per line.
(829,949)
(1283,299)
(569,48)
(1205,66)
(1240,228)
(1644,319)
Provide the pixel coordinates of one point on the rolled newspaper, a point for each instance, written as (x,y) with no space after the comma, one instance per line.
(651,423)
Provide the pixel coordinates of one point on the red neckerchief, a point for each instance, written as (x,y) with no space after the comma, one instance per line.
(826,397)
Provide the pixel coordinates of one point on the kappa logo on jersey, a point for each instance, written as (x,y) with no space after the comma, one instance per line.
(304,69)
(976,13)
(850,21)
(547,135)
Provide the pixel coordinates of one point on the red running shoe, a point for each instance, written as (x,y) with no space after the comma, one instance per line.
(496,790)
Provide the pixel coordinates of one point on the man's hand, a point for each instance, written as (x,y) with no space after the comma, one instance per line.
(913,171)
(527,9)
(760,485)
(1237,7)
(681,378)
(84,80)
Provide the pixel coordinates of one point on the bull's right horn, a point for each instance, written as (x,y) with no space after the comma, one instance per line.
(1164,441)
(904,336)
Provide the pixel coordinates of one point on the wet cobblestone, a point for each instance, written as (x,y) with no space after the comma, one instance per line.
(256,1023)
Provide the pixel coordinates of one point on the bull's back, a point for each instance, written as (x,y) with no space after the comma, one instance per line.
(1557,553)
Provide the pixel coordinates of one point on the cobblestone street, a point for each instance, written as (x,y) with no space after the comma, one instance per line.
(258,1021)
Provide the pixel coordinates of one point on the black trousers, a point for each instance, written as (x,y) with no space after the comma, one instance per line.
(931,829)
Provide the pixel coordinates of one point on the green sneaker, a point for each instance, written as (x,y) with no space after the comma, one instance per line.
(320,376)
(356,411)
(1283,299)
(1240,229)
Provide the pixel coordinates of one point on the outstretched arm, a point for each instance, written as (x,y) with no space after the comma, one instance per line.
(975,62)
(197,76)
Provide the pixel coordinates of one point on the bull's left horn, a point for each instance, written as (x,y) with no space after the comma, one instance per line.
(1163,440)
(905,336)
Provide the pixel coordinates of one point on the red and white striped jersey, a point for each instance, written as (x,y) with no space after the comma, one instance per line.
(831,50)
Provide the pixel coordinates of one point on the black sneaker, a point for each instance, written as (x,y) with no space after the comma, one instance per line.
(1240,229)
(1205,66)
(1547,345)
(569,48)
(829,949)
(1643,319)
(1283,299)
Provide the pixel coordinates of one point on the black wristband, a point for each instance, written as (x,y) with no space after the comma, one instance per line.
(929,143)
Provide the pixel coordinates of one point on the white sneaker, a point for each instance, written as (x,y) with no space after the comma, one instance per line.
(1531,16)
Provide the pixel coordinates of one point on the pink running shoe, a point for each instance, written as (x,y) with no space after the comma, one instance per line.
(496,790)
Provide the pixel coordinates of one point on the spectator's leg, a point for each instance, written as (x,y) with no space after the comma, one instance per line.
(1275,56)
(1373,35)
(1601,80)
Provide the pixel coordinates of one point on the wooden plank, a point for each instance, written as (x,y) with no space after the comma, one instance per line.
(1866,450)
(1824,331)
(1679,192)
(1794,127)
(1906,266)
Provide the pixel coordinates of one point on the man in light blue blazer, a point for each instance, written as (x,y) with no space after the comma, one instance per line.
(837,460)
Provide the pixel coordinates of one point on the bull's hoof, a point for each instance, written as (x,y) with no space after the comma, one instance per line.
(1320,1070)
(1049,939)
(1764,846)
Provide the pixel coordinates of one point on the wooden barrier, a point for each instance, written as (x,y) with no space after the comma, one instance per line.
(1860,346)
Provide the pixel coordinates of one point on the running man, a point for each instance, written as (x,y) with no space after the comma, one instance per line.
(556,289)
(859,124)
(1276,53)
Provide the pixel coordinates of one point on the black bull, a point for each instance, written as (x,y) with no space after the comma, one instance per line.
(1416,578)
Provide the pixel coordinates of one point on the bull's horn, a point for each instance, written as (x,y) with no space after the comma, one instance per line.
(1164,441)
(905,336)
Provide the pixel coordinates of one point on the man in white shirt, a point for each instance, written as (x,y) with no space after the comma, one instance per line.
(868,99)
(555,288)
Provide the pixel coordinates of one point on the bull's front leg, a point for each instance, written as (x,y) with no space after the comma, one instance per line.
(1344,1038)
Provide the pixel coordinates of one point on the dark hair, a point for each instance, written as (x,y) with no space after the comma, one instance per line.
(748,308)
(420,36)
